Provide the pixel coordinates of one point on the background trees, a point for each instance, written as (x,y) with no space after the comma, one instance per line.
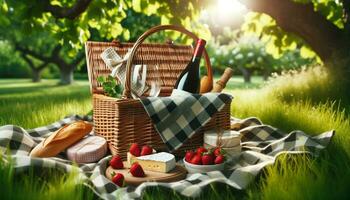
(248,55)
(322,26)
(54,31)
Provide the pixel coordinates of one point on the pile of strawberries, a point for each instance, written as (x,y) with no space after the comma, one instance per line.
(136,170)
(203,156)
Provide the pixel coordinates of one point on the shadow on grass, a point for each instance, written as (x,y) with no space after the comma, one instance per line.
(212,191)
(43,103)
(41,183)
(31,89)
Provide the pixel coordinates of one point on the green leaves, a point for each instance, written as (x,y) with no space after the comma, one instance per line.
(136,4)
(110,86)
(277,41)
(4,7)
(102,20)
(254,53)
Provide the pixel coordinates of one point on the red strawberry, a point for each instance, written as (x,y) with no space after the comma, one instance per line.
(146,150)
(196,160)
(136,170)
(208,159)
(118,179)
(189,155)
(116,162)
(218,151)
(201,150)
(135,149)
(219,159)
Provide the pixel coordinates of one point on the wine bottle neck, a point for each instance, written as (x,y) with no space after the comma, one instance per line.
(198,51)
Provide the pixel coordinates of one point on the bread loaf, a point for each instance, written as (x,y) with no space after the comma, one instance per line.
(61,139)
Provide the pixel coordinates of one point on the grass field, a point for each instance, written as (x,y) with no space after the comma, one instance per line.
(304,101)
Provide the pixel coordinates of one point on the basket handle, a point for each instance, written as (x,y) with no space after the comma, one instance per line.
(127,87)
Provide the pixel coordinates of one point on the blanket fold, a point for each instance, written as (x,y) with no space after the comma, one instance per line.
(177,118)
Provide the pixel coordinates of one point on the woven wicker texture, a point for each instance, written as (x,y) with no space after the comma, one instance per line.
(124,121)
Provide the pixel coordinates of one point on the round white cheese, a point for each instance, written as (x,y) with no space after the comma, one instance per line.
(229,138)
(87,150)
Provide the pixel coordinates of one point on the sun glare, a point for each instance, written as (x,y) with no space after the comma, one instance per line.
(225,12)
(229,8)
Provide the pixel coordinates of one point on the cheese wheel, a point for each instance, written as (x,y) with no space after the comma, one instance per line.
(87,150)
(229,138)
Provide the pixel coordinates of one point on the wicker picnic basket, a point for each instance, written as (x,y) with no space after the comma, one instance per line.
(124,121)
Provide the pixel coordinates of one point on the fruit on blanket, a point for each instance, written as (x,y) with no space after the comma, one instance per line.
(196,160)
(189,155)
(135,149)
(201,150)
(208,159)
(146,150)
(203,156)
(116,162)
(136,170)
(118,179)
(219,159)
(218,151)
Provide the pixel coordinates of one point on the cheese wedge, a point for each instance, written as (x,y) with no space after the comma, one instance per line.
(158,162)
(229,138)
(130,158)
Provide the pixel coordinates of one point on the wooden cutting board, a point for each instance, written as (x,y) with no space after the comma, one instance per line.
(178,173)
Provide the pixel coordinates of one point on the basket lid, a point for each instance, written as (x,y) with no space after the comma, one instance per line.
(170,58)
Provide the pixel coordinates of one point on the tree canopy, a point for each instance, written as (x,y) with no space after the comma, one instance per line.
(71,22)
(312,25)
(323,25)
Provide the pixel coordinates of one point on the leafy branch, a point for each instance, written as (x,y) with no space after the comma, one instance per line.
(110,86)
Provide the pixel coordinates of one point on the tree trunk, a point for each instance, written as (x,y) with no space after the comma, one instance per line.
(66,76)
(246,74)
(325,38)
(36,75)
(322,35)
(339,66)
(266,74)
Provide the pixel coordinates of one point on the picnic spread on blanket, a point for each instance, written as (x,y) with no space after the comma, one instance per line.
(261,145)
(155,123)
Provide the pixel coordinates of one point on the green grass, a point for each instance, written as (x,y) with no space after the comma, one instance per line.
(31,105)
(41,184)
(303,101)
(237,83)
(308,101)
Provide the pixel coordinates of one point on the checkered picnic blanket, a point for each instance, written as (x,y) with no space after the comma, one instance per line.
(177,117)
(262,144)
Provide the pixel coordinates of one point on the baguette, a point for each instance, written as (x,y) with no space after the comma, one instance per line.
(61,139)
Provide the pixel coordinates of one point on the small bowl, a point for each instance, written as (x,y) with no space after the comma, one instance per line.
(191,168)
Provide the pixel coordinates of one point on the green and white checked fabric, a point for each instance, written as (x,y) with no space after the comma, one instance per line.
(177,117)
(262,144)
